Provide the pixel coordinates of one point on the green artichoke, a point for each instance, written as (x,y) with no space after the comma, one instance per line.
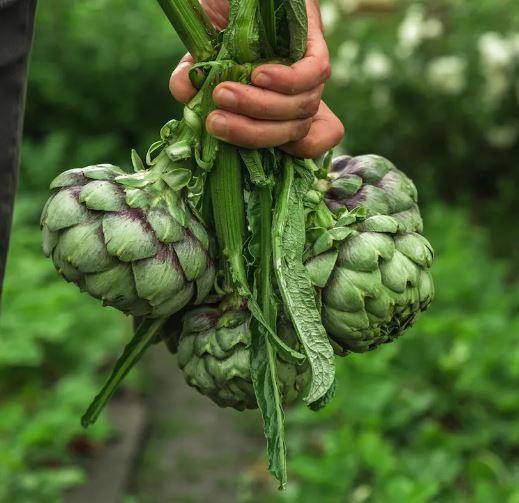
(377,280)
(214,355)
(131,240)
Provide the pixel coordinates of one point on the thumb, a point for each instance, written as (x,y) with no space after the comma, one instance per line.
(179,84)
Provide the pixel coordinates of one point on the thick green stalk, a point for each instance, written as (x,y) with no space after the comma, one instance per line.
(242,35)
(268,18)
(226,185)
(192,26)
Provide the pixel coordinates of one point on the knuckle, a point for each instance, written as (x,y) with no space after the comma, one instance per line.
(326,71)
(310,104)
(300,129)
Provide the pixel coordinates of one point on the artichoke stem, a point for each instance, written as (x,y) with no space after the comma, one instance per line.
(226,187)
(192,26)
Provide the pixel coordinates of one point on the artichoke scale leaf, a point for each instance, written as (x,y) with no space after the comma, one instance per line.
(158,278)
(410,220)
(370,167)
(346,290)
(205,283)
(83,247)
(379,223)
(65,210)
(69,178)
(128,235)
(198,231)
(191,256)
(66,269)
(107,172)
(415,247)
(114,287)
(166,228)
(175,303)
(49,241)
(363,251)
(399,272)
(102,195)
(320,267)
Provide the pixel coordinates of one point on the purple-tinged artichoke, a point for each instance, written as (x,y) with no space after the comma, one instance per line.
(130,240)
(214,355)
(376,280)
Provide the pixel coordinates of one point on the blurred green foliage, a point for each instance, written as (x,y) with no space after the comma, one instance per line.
(433,85)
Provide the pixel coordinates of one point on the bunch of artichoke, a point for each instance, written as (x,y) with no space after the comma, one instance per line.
(255,267)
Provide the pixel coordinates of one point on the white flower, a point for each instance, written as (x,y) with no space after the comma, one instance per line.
(376,65)
(495,50)
(502,136)
(415,28)
(410,30)
(329,15)
(447,74)
(348,51)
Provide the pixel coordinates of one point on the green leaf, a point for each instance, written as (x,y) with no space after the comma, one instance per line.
(264,379)
(137,163)
(297,27)
(293,279)
(263,357)
(252,160)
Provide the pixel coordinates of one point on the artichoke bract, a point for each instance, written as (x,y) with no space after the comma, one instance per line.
(214,355)
(377,281)
(126,240)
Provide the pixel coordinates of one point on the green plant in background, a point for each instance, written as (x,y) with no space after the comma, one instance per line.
(52,341)
(346,279)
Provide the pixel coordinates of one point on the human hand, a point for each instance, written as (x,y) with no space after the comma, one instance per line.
(283,107)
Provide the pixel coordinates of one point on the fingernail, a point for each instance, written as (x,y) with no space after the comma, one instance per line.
(217,125)
(262,80)
(226,98)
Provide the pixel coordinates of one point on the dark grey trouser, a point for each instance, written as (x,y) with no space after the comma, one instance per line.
(16,26)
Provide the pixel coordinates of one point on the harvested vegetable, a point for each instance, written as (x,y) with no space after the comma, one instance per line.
(290,263)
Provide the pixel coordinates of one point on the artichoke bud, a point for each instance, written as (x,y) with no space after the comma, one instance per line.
(214,355)
(127,240)
(377,280)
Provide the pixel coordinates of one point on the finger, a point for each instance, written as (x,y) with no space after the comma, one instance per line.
(179,83)
(251,133)
(304,75)
(325,133)
(218,12)
(265,104)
